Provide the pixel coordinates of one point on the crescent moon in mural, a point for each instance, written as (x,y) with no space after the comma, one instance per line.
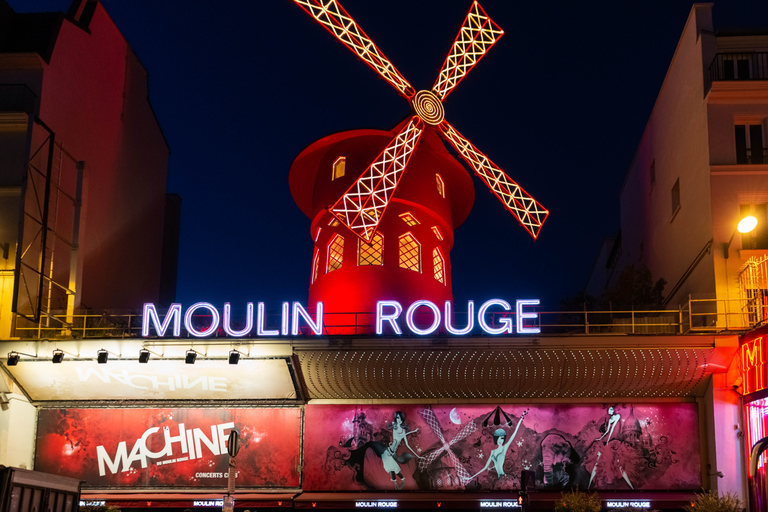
(455,417)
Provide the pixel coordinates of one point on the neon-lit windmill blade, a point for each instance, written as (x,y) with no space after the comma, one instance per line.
(517,201)
(476,36)
(338,22)
(362,206)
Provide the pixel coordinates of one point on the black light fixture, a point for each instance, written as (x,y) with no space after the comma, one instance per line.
(143,355)
(234,357)
(58,356)
(191,356)
(13,359)
(102,356)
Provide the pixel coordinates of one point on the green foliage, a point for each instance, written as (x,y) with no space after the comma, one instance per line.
(635,287)
(577,501)
(711,501)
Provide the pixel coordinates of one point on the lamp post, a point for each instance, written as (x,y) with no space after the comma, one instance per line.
(745,225)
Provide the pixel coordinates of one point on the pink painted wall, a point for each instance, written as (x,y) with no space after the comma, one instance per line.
(447,447)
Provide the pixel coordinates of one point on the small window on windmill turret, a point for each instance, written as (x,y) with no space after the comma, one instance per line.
(439,264)
(440,185)
(409,219)
(339,166)
(410,252)
(335,253)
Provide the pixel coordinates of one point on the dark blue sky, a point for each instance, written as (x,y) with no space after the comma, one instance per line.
(559,103)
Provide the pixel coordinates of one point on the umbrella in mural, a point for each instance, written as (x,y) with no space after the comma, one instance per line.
(496,417)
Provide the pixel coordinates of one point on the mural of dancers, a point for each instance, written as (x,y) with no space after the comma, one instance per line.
(476,448)
(499,454)
(389,457)
(616,451)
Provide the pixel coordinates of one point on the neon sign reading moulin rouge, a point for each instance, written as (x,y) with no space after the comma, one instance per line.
(388,313)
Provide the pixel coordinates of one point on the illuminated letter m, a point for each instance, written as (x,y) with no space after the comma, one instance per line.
(151,316)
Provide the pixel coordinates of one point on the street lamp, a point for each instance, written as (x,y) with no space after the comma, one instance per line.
(746,225)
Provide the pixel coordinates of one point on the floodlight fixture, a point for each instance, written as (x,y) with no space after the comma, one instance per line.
(234,357)
(143,355)
(58,356)
(190,357)
(14,357)
(102,356)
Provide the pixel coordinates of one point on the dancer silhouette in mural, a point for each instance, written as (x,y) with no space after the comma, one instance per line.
(609,424)
(389,458)
(499,454)
(607,428)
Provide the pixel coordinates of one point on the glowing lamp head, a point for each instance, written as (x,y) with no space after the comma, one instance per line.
(747,224)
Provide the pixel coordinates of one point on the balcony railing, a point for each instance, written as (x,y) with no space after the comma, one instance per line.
(696,316)
(752,156)
(739,66)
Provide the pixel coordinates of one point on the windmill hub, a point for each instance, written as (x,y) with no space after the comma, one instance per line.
(428,107)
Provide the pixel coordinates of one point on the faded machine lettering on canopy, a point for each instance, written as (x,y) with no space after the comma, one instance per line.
(479,447)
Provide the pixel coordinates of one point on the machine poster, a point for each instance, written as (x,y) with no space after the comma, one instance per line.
(169,447)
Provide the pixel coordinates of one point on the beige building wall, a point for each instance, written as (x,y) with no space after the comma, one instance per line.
(657,230)
(18,425)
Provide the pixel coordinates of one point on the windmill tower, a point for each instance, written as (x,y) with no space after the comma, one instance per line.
(382,233)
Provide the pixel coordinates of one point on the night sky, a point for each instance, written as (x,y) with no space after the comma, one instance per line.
(559,103)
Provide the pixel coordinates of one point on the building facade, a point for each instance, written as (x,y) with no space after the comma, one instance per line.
(82,185)
(644,409)
(700,168)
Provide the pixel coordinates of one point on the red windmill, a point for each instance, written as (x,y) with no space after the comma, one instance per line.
(332,185)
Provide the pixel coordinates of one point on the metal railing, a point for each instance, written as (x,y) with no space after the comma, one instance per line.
(696,316)
(739,66)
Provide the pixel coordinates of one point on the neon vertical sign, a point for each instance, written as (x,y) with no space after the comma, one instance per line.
(753,365)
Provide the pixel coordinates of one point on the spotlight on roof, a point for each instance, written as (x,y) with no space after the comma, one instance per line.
(13,359)
(191,356)
(143,355)
(102,356)
(58,356)
(234,357)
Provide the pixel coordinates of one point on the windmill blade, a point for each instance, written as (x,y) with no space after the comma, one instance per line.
(363,204)
(464,432)
(525,208)
(338,22)
(476,36)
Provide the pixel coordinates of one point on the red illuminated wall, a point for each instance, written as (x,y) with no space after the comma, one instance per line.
(649,447)
(93,95)
(355,288)
(72,442)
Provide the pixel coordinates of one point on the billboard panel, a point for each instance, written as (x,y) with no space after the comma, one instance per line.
(482,447)
(169,447)
(159,379)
